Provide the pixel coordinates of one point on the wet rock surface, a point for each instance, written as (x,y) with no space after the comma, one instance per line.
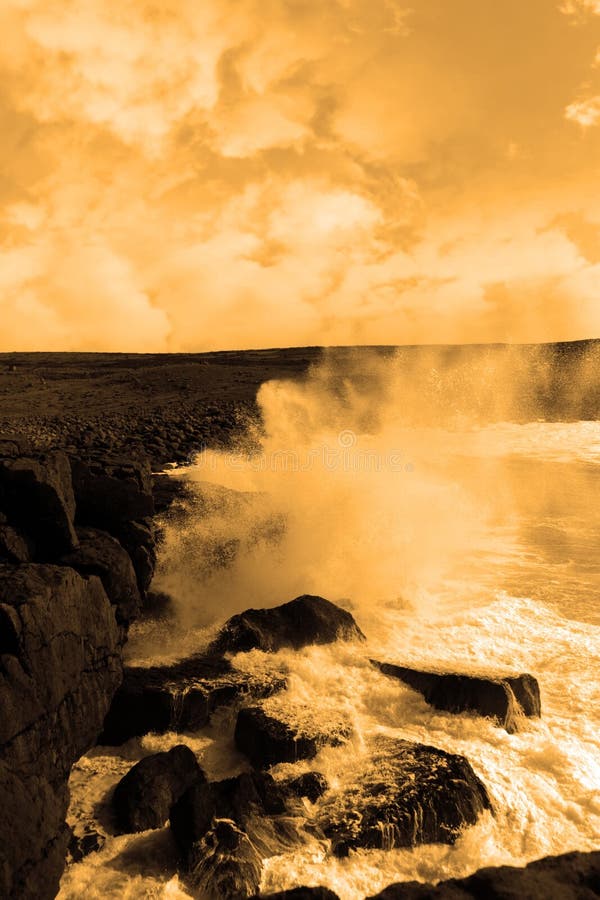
(311,785)
(404,794)
(178,697)
(144,796)
(225,829)
(573,876)
(266,740)
(501,699)
(306,620)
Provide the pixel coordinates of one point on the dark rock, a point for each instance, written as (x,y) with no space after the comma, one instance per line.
(166,490)
(138,540)
(573,876)
(14,548)
(311,785)
(145,795)
(178,697)
(101,554)
(59,667)
(224,863)
(406,794)
(37,496)
(110,491)
(501,699)
(81,845)
(228,861)
(300,893)
(33,835)
(303,621)
(267,741)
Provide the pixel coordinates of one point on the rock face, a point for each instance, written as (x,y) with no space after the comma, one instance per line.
(178,697)
(502,699)
(37,496)
(110,491)
(101,554)
(59,667)
(144,797)
(225,829)
(303,621)
(573,876)
(406,794)
(267,741)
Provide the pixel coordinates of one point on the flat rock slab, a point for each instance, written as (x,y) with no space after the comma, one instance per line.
(405,794)
(572,876)
(303,621)
(502,699)
(179,697)
(266,740)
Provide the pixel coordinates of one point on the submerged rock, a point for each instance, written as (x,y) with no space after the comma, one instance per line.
(303,621)
(572,876)
(311,785)
(267,741)
(82,844)
(501,699)
(178,697)
(144,796)
(405,794)
(101,554)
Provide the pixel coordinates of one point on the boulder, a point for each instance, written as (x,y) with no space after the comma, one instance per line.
(84,843)
(311,785)
(501,699)
(167,491)
(101,554)
(228,861)
(37,496)
(224,863)
(303,621)
(110,491)
(404,794)
(267,741)
(572,876)
(144,796)
(178,697)
(60,665)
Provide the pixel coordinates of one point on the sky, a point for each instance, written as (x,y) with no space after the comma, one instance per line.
(192,175)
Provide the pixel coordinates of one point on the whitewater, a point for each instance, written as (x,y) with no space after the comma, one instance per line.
(470,547)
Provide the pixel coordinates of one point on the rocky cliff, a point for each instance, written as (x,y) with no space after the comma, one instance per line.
(68,590)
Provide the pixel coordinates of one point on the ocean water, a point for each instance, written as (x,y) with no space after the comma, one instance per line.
(474,549)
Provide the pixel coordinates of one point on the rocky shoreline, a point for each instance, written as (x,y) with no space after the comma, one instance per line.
(78,543)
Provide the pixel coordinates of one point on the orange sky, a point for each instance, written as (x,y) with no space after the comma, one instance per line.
(184,175)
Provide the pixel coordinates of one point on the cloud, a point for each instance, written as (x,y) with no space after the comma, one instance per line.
(183,176)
